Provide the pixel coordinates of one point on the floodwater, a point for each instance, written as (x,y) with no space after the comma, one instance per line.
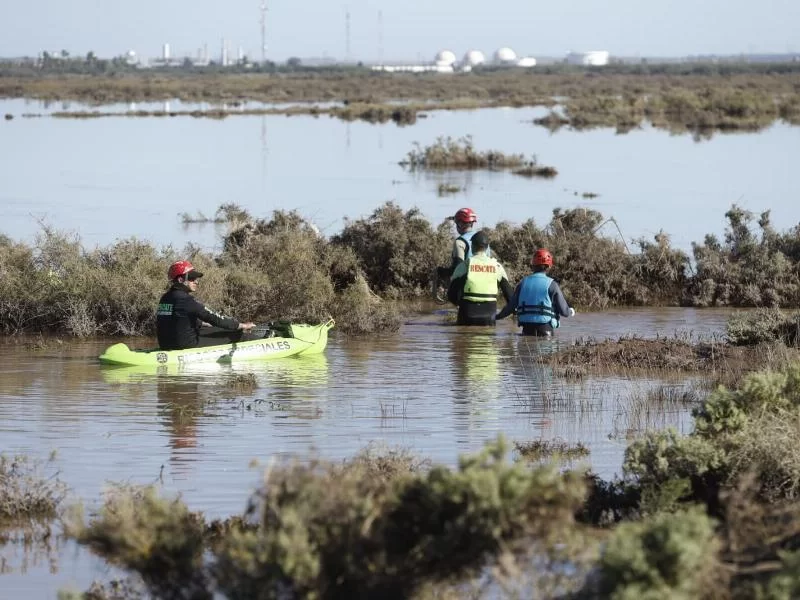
(435,388)
(117,177)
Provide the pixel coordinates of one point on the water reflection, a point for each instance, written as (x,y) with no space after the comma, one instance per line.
(181,407)
(32,547)
(475,354)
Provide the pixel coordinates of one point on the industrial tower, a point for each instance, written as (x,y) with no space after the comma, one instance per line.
(263,22)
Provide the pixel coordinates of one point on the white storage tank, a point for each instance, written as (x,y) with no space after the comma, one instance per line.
(474,58)
(526,61)
(505,56)
(445,58)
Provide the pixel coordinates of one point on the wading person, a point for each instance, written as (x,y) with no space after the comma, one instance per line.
(180,317)
(465,219)
(538,300)
(475,282)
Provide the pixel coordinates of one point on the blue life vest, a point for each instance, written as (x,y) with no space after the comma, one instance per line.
(534,304)
(466,237)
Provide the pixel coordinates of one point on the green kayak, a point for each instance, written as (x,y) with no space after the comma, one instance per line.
(286,339)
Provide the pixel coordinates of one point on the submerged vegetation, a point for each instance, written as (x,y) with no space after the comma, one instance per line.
(702,111)
(539,449)
(26,492)
(283,268)
(701,98)
(447,153)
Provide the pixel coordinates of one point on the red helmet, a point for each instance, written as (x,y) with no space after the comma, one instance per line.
(179,269)
(465,215)
(542,257)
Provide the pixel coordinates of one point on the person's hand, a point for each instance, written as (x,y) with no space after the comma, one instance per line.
(246,326)
(571,312)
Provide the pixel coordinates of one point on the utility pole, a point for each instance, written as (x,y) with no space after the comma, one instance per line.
(380,37)
(347,34)
(263,22)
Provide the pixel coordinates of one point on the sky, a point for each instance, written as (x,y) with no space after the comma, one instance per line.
(411,29)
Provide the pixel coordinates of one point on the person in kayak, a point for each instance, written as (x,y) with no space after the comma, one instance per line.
(465,219)
(538,300)
(475,282)
(179,318)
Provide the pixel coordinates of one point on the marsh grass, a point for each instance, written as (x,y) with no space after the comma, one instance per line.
(680,110)
(226,213)
(242,382)
(447,153)
(531,169)
(445,189)
(557,449)
(763,325)
(26,492)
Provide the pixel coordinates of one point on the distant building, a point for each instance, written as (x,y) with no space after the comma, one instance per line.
(593,58)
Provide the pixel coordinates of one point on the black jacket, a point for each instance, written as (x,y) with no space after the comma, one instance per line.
(179,318)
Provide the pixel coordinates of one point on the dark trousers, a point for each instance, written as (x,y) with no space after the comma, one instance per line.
(537,329)
(476,313)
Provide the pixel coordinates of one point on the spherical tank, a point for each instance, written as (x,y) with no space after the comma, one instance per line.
(505,55)
(445,58)
(474,58)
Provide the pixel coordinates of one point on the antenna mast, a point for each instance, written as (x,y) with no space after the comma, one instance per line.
(380,37)
(263,22)
(347,34)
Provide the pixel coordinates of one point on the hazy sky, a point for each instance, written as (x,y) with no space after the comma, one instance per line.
(411,28)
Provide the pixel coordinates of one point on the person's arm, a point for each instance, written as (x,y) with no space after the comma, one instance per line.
(502,281)
(459,254)
(560,305)
(456,289)
(210,316)
(511,305)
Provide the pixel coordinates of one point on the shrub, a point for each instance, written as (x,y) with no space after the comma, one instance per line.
(670,469)
(155,537)
(381,525)
(668,556)
(746,269)
(26,492)
(397,250)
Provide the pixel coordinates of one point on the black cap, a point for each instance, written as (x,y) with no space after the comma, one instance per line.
(479,241)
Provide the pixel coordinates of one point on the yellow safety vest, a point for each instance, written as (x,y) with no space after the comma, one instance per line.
(481,284)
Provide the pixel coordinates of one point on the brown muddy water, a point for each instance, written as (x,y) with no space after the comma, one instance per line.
(438,389)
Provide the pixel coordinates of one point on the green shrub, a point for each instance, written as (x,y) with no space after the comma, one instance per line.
(397,250)
(670,469)
(157,538)
(667,556)
(383,525)
(747,269)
